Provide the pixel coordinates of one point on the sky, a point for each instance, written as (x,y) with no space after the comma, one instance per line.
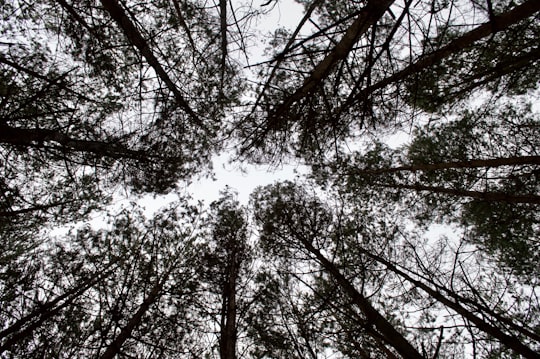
(245,178)
(242,178)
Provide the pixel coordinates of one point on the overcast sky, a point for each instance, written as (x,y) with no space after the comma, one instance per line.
(245,178)
(288,14)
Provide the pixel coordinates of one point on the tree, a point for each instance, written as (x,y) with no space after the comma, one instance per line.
(287,320)
(423,249)
(406,58)
(225,265)
(285,213)
(350,248)
(45,289)
(478,170)
(103,106)
(114,280)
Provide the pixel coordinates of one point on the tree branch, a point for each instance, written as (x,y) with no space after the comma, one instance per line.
(31,137)
(493,162)
(367,17)
(498,23)
(485,196)
(135,38)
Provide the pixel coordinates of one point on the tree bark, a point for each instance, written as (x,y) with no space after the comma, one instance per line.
(33,136)
(228,312)
(223,28)
(373,317)
(40,207)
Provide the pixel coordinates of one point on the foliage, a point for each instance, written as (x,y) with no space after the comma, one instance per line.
(426,248)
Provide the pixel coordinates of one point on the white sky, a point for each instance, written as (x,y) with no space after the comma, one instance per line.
(245,178)
(243,181)
(288,14)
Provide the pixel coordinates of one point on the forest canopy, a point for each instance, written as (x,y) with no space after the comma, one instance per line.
(414,234)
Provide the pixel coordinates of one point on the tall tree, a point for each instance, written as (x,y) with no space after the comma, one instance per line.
(102,105)
(225,265)
(286,215)
(128,290)
(479,170)
(407,58)
(353,246)
(109,96)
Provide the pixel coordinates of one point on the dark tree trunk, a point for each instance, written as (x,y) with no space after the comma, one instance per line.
(509,341)
(374,320)
(114,348)
(493,162)
(389,334)
(134,36)
(484,196)
(39,207)
(35,137)
(227,345)
(223,28)
(372,12)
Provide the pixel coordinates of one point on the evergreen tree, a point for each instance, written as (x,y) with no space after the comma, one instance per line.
(425,249)
(378,64)
(102,293)
(479,171)
(225,267)
(360,249)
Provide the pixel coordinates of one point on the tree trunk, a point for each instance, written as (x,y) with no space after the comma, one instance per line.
(497,23)
(484,196)
(509,341)
(114,348)
(38,207)
(373,318)
(372,12)
(228,312)
(223,29)
(34,137)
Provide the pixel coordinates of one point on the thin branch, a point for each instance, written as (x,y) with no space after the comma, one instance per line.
(484,196)
(475,163)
